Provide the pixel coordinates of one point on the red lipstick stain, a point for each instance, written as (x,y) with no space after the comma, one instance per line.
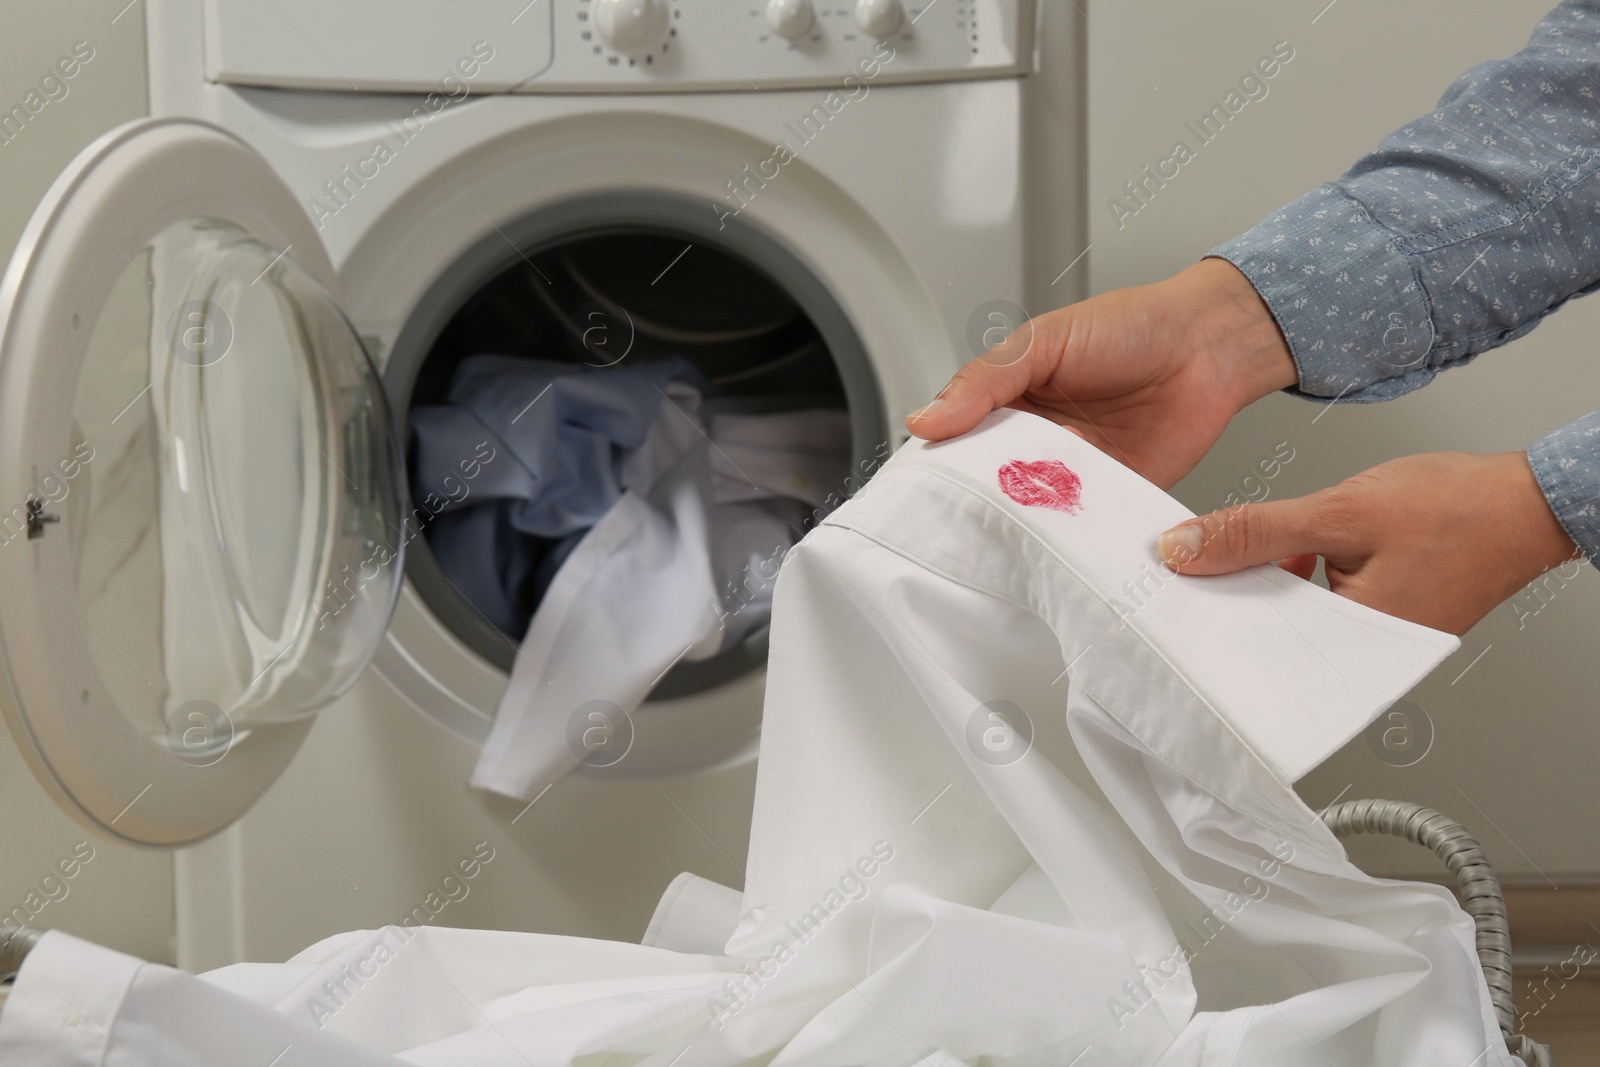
(1041,483)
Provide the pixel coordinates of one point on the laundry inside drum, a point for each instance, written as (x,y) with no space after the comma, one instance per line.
(628,423)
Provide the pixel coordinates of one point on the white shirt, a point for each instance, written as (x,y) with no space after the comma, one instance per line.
(1004,810)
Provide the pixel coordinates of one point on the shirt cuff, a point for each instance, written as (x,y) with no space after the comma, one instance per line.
(65,1005)
(1566,464)
(1349,302)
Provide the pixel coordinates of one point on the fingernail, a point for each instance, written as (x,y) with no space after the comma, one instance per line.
(1180,545)
(932,407)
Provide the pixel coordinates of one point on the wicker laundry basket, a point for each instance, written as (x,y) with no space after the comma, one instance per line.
(1480,894)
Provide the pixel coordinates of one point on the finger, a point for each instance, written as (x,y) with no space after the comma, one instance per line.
(1045,412)
(1251,534)
(1300,566)
(985,384)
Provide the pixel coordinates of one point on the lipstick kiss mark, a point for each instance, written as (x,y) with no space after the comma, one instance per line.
(1041,483)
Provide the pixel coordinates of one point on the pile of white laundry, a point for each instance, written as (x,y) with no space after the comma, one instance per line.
(1003,815)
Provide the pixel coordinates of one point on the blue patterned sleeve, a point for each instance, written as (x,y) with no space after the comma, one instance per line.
(1567,465)
(1459,233)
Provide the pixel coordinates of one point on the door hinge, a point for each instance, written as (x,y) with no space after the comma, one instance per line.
(38,518)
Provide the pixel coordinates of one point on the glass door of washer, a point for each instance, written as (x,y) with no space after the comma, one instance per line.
(199,485)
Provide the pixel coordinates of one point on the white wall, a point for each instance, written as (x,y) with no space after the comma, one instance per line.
(123,896)
(1515,739)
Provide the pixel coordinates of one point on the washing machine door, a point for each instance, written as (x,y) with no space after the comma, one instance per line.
(199,484)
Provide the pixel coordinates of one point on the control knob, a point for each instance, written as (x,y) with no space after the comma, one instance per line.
(790,18)
(632,27)
(879,17)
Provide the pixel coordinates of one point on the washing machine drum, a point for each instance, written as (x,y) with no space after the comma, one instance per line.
(704,301)
(569,386)
(596,468)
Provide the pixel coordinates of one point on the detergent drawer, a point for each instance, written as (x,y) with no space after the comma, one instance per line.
(448,49)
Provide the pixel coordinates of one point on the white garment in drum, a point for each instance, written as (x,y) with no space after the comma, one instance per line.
(680,567)
(1023,799)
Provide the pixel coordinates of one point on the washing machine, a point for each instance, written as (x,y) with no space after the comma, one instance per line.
(222,633)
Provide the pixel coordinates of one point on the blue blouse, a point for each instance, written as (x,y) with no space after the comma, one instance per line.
(1459,233)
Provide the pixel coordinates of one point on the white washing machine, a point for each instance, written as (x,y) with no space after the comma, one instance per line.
(220,632)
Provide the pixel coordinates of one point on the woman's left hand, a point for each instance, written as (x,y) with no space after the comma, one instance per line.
(1439,539)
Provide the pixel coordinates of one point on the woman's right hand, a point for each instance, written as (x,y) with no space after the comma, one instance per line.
(1151,375)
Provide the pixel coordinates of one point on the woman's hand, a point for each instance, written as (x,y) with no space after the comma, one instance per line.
(1439,539)
(1150,375)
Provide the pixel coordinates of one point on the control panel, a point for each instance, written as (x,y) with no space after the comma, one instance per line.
(624,46)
